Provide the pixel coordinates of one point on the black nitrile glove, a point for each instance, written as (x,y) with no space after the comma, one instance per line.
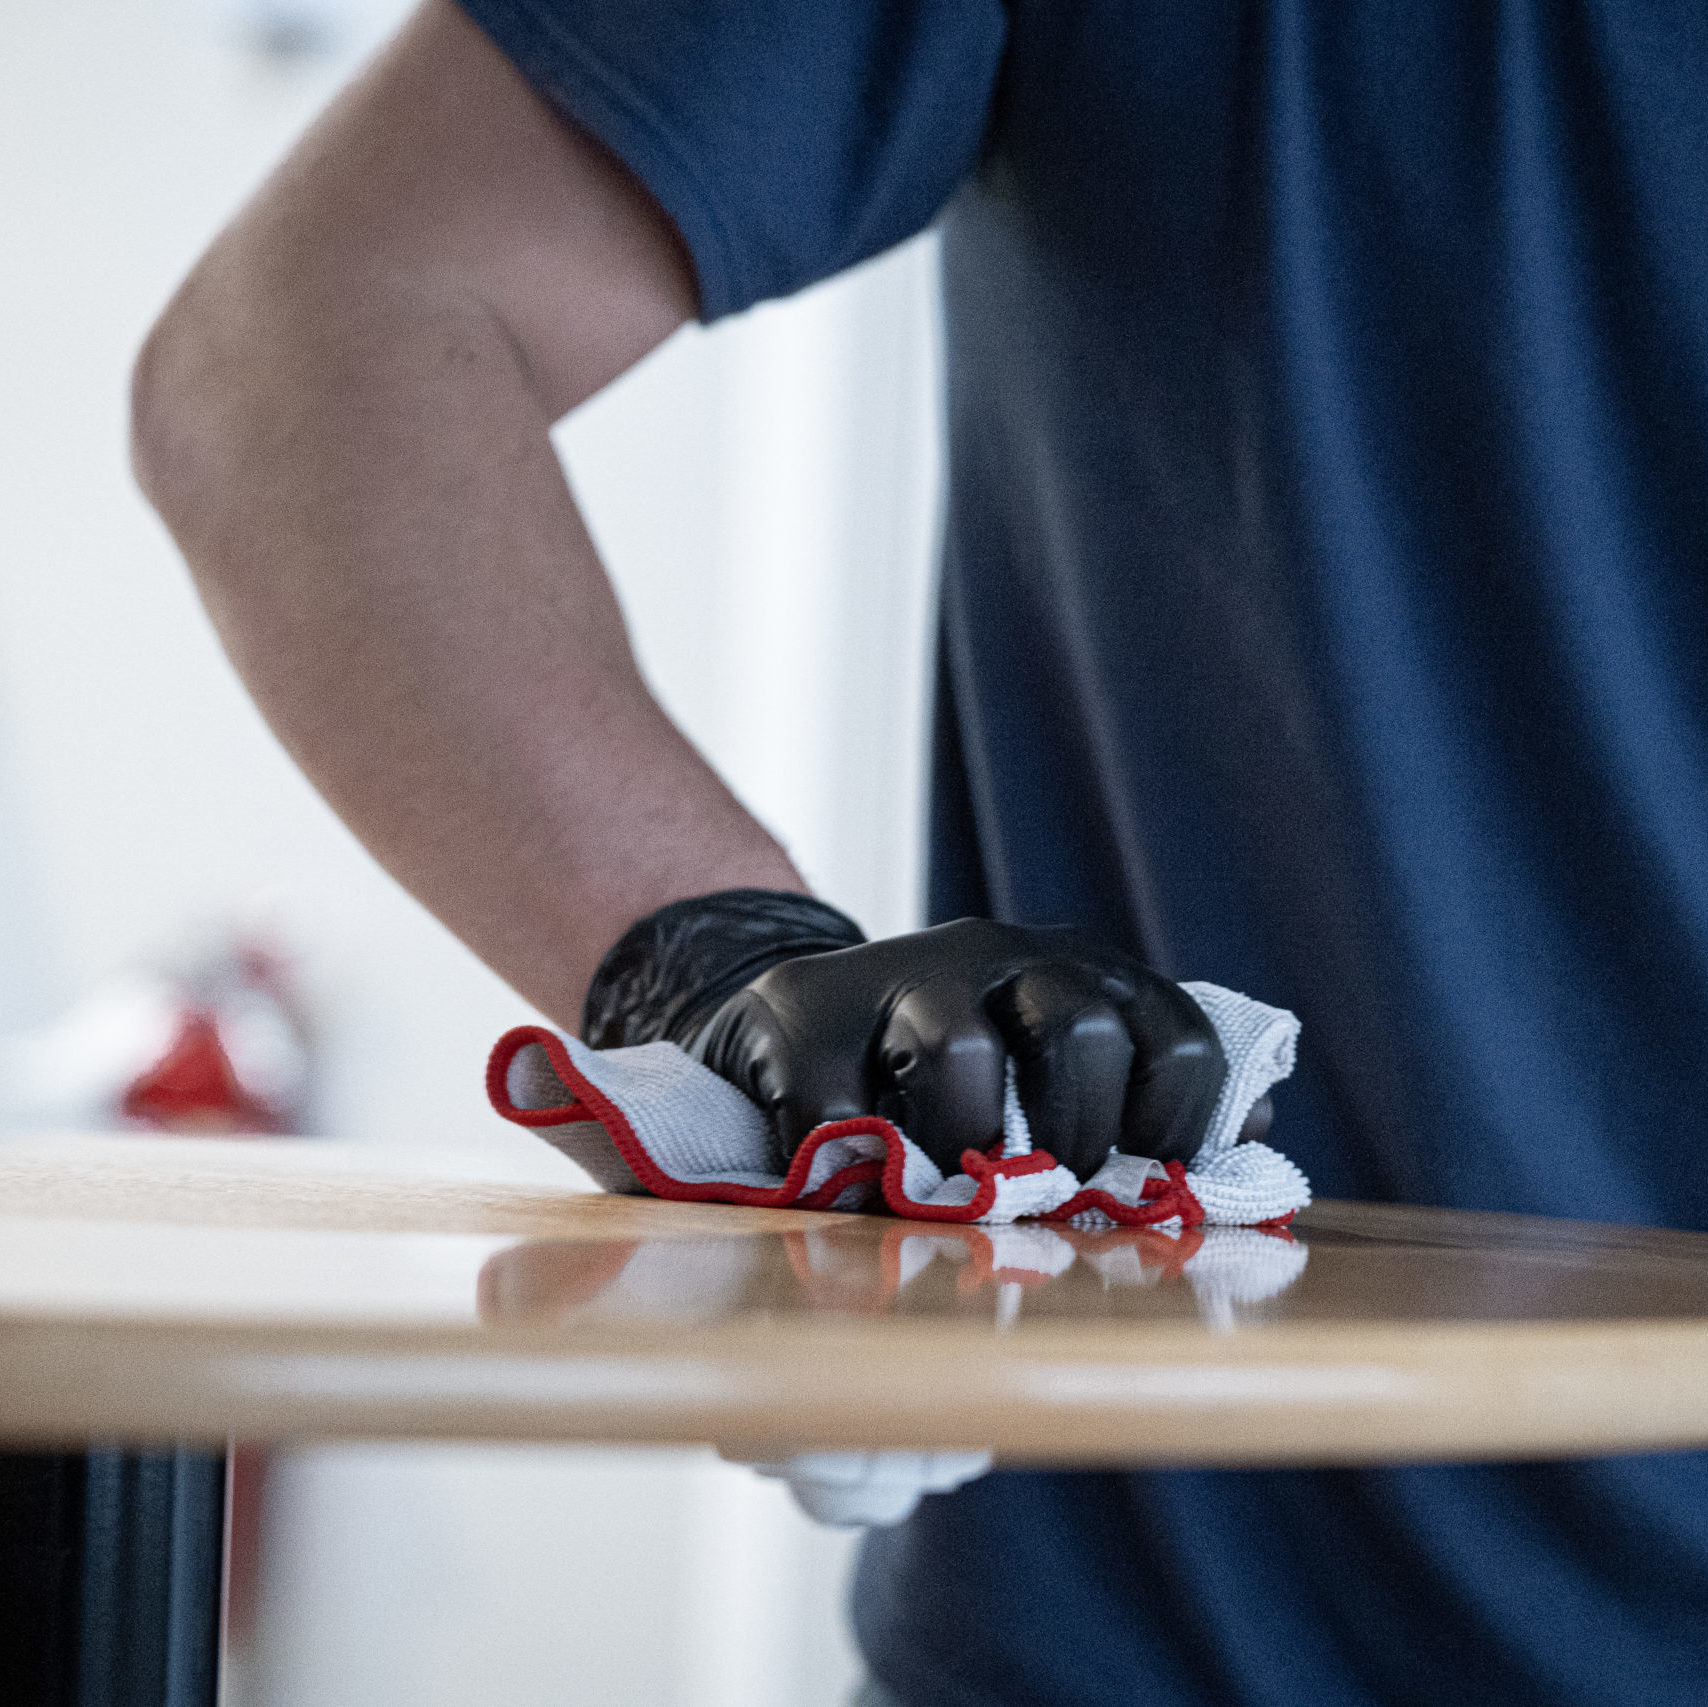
(778,994)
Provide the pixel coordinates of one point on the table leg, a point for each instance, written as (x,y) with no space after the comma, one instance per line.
(111,1566)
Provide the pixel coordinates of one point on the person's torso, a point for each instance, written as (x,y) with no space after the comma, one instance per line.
(1327,585)
(1326,615)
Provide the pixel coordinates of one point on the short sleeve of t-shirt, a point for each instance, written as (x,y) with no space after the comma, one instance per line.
(787,139)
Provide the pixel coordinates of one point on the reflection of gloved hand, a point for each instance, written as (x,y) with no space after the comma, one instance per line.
(778,995)
(850,1489)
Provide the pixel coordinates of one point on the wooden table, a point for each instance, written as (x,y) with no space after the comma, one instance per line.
(196,1290)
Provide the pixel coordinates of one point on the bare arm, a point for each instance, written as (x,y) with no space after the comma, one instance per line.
(343,419)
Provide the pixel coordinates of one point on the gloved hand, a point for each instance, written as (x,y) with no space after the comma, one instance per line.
(779,995)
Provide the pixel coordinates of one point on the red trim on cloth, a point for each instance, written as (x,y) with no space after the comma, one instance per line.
(504,1051)
(588,1102)
(1161,1200)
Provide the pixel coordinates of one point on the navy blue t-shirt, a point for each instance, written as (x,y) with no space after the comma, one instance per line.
(1325,613)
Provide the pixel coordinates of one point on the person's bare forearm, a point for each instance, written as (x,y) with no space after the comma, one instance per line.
(358,469)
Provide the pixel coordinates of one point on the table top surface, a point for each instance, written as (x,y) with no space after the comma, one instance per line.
(155,1289)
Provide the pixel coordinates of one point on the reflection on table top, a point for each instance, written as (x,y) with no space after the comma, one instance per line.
(156,1288)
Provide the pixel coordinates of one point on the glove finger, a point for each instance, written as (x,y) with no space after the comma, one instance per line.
(943,1067)
(1072,1058)
(799,1079)
(1178,1069)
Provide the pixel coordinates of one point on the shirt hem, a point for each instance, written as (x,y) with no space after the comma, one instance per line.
(587,91)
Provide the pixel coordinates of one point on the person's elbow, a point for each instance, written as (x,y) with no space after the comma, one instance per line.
(242,372)
(187,402)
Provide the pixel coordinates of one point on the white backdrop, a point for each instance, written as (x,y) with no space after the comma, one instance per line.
(766,497)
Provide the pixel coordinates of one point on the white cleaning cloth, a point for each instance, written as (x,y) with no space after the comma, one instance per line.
(857,1490)
(651,1119)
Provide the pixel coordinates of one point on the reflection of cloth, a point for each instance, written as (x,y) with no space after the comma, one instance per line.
(1240,1265)
(835,1274)
(652,1119)
(1225,1267)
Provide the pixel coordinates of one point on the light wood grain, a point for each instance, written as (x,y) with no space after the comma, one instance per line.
(317,1182)
(195,1289)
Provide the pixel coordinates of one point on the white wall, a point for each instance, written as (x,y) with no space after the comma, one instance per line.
(765,494)
(532,1577)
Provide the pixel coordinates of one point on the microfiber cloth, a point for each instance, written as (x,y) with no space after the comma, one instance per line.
(651,1119)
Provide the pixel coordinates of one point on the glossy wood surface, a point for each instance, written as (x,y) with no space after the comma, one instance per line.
(193,1289)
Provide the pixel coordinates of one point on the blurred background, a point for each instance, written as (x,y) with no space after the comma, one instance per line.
(766,497)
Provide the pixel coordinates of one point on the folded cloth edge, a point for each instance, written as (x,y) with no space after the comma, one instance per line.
(650,1119)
